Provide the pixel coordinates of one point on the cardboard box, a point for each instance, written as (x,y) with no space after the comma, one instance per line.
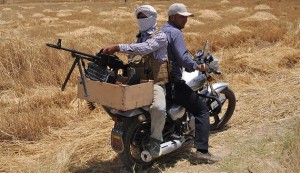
(121,97)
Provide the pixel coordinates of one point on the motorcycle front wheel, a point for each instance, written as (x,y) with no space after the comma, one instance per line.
(219,120)
(136,133)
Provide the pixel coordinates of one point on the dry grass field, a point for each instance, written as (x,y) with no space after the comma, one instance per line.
(43,129)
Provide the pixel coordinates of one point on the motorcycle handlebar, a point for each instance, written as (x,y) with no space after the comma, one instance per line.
(202,59)
(211,70)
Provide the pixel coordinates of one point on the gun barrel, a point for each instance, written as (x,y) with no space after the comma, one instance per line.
(71,50)
(101,59)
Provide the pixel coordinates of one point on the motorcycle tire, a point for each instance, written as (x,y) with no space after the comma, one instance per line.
(218,121)
(136,133)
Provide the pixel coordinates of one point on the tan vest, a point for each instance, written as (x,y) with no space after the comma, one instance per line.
(156,70)
(148,68)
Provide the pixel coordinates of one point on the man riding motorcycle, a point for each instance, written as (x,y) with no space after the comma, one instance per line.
(151,44)
(177,90)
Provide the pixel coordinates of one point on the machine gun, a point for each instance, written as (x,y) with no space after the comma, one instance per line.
(100,59)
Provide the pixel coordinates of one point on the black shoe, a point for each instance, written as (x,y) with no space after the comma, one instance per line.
(206,157)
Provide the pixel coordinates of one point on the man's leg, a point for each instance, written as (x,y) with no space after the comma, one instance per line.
(194,104)
(186,97)
(158,118)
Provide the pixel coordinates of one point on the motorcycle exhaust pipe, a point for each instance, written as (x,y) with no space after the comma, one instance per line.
(169,146)
(165,148)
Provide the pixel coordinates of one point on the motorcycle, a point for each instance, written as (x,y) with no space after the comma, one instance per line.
(131,132)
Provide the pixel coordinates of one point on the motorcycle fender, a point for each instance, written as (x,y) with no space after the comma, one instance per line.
(129,113)
(218,87)
(117,143)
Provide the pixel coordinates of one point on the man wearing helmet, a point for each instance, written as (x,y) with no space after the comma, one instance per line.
(151,44)
(177,89)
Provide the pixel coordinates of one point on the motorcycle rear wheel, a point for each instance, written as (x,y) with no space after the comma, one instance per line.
(218,121)
(136,133)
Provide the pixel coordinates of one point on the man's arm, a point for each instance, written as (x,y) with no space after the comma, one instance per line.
(150,45)
(111,49)
(180,52)
(201,67)
(183,57)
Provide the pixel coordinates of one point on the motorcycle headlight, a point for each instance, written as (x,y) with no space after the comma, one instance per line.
(214,64)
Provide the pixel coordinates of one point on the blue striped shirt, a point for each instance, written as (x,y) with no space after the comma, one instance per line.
(177,51)
(156,44)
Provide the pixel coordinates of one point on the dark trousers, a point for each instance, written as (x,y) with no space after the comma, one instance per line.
(194,104)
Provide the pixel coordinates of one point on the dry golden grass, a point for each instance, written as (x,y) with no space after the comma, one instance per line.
(45,130)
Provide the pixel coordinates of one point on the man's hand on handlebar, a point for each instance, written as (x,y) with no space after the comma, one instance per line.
(202,67)
(111,49)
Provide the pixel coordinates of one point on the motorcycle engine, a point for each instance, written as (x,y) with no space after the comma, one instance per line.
(176,111)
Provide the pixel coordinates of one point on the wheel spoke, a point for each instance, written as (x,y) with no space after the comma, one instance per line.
(135,152)
(217,119)
(228,101)
(141,132)
(222,98)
